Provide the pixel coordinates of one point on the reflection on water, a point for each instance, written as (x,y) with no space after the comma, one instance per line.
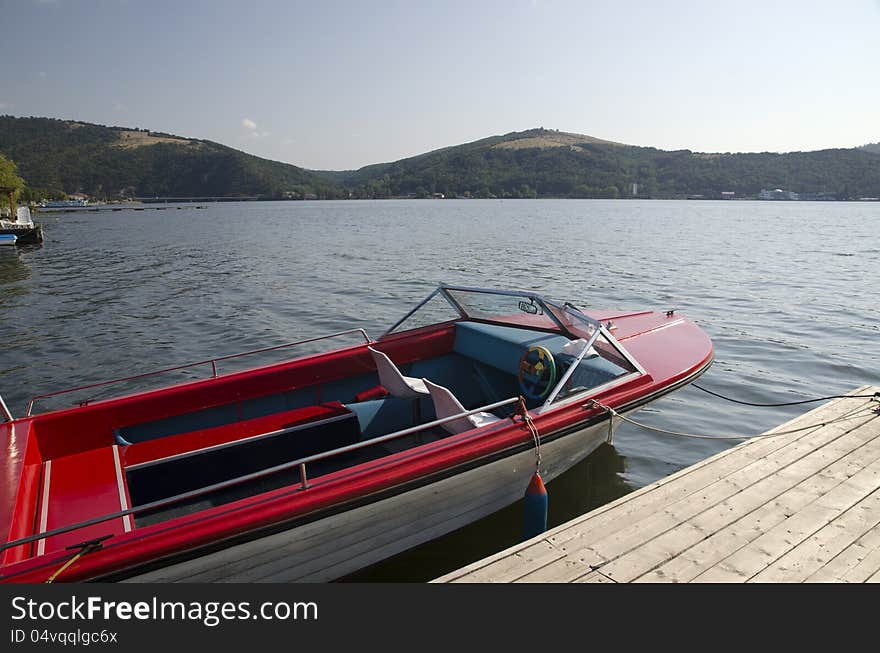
(15,272)
(783,291)
(14,265)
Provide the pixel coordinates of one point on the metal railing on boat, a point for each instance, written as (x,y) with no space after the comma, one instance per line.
(212,362)
(4,409)
(300,463)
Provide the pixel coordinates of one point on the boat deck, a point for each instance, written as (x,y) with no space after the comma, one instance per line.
(798,507)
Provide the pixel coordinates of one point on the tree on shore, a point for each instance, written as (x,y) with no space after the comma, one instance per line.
(9,179)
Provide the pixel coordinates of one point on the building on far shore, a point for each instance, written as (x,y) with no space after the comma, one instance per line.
(777,194)
(817,197)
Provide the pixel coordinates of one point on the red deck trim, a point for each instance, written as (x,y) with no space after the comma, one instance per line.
(95,422)
(19,465)
(24,519)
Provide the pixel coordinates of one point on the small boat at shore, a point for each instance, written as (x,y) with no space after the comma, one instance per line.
(317,466)
(22,228)
(64,204)
(8,239)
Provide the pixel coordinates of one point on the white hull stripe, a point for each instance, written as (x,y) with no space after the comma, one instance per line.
(652,330)
(123,501)
(44,505)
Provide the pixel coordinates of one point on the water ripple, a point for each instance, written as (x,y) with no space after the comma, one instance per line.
(113,294)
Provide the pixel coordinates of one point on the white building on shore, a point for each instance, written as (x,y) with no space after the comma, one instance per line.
(777,194)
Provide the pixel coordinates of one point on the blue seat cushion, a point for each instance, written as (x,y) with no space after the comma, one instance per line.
(382,416)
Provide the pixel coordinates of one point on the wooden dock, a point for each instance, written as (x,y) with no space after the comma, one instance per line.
(116,209)
(798,507)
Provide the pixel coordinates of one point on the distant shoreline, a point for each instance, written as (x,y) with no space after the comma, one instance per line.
(160,204)
(95,161)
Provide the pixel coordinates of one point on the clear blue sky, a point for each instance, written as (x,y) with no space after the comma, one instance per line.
(338,85)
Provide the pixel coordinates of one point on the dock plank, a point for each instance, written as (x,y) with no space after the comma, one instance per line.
(777,541)
(869,564)
(855,564)
(793,507)
(737,465)
(595,577)
(512,568)
(827,543)
(717,505)
(752,524)
(560,570)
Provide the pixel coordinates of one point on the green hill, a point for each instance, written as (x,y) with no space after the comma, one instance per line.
(62,156)
(546,163)
(59,156)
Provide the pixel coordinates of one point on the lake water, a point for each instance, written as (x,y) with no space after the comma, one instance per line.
(788,292)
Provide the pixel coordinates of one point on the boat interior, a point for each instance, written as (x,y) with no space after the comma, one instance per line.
(184,448)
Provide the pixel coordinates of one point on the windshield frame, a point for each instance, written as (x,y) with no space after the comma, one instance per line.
(554,311)
(568,319)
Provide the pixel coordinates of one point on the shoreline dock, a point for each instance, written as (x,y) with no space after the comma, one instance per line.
(100,209)
(794,507)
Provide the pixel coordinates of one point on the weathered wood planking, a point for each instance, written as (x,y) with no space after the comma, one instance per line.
(798,507)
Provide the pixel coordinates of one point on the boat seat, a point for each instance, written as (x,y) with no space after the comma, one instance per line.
(158,478)
(446,405)
(398,385)
(382,416)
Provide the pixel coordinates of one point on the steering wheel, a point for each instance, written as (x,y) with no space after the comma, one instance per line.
(537,372)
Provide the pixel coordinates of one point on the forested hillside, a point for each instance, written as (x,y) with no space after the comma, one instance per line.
(59,156)
(55,157)
(544,163)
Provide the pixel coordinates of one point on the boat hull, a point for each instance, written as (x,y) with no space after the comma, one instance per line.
(333,546)
(300,471)
(25,235)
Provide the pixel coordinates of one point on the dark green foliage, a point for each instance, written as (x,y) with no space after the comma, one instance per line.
(57,157)
(9,179)
(607,170)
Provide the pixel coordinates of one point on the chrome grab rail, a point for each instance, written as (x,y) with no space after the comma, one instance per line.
(301,463)
(4,409)
(213,363)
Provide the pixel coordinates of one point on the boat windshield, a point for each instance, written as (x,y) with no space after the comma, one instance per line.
(593,358)
(513,308)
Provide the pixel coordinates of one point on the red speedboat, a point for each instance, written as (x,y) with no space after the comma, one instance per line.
(317,466)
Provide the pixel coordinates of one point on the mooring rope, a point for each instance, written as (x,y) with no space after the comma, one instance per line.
(859,412)
(786,403)
(84,548)
(527,420)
